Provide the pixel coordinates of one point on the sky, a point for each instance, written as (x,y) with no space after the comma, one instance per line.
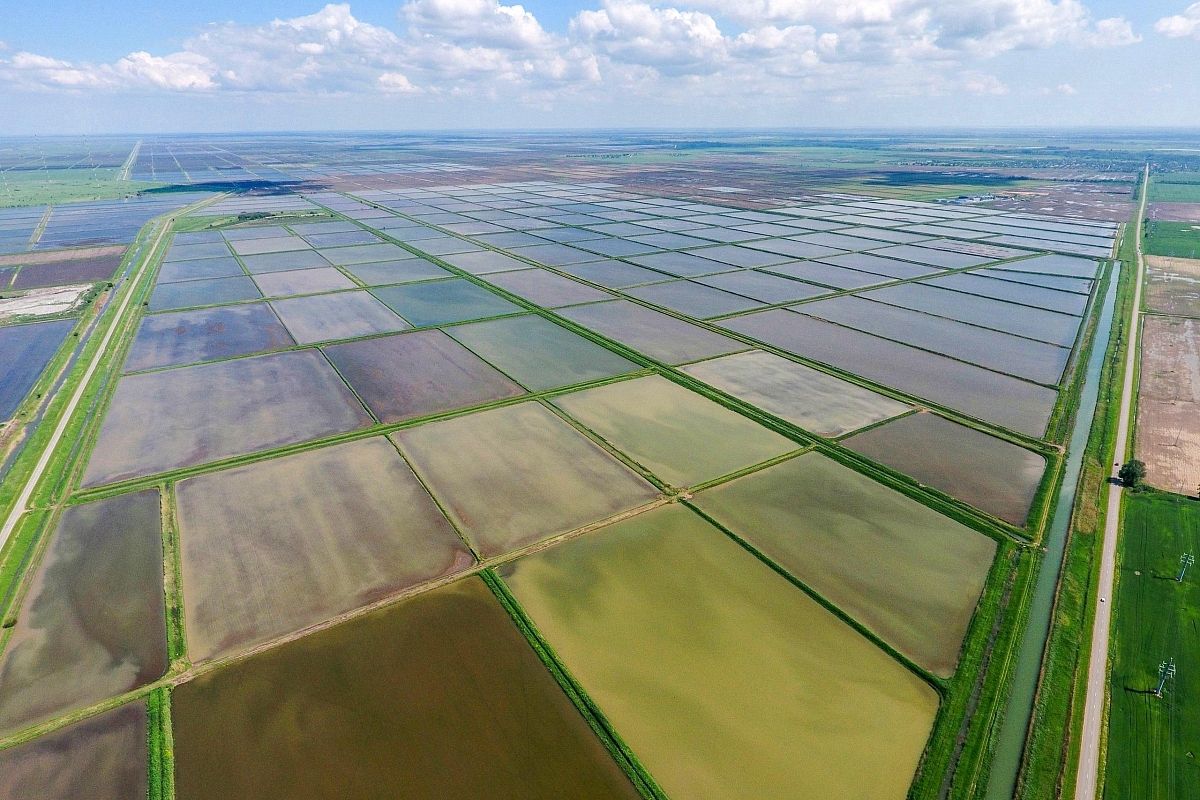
(139,66)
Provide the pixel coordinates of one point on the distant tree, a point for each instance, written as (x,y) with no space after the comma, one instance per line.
(1132,473)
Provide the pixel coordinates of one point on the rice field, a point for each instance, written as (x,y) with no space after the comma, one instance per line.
(624,608)
(908,574)
(540,488)
(439,694)
(93,623)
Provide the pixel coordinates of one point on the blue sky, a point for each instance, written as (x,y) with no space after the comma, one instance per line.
(131,65)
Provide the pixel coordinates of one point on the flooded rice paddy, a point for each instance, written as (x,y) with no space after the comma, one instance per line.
(27,350)
(900,568)
(1014,355)
(272,547)
(208,334)
(724,678)
(93,623)
(539,354)
(403,271)
(655,335)
(1003,400)
(436,696)
(1033,323)
(512,476)
(302,281)
(681,437)
(170,296)
(344,315)
(806,397)
(159,421)
(996,476)
(417,374)
(100,758)
(440,302)
(547,289)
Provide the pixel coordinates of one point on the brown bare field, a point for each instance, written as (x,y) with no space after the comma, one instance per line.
(1173,286)
(1168,420)
(51,256)
(1174,212)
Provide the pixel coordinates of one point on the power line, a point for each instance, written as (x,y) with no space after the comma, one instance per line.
(1185,561)
(1166,671)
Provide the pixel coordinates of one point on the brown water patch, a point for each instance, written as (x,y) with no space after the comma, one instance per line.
(436,697)
(101,758)
(93,623)
(989,473)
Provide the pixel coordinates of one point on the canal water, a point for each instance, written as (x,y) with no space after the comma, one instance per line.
(1010,743)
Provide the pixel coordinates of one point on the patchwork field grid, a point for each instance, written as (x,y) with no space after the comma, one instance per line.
(538,482)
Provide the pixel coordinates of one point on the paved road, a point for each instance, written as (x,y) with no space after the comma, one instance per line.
(19,507)
(1097,681)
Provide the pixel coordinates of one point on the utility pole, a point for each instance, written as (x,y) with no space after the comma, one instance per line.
(1166,671)
(1185,561)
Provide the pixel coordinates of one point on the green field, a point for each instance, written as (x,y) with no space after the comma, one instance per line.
(1153,741)
(53,186)
(1180,239)
(1175,187)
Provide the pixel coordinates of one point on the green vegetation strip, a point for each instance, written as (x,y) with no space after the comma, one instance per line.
(160,745)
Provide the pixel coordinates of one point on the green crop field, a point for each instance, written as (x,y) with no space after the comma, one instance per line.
(41,187)
(1180,239)
(1156,619)
(1175,187)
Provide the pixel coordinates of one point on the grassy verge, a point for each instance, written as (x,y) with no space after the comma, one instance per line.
(1155,619)
(173,582)
(160,746)
(17,555)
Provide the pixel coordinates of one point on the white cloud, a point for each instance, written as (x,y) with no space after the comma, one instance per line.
(485,23)
(397,83)
(737,51)
(1182,25)
(980,83)
(936,28)
(178,72)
